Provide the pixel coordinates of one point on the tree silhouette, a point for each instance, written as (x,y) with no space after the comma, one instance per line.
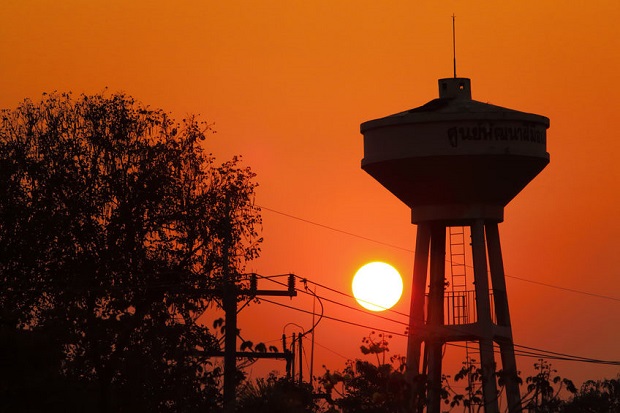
(544,388)
(115,227)
(276,395)
(366,387)
(596,396)
(383,388)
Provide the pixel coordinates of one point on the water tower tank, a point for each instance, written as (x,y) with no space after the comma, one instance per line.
(455,158)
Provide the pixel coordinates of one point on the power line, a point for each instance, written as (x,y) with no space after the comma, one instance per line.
(536,353)
(524,351)
(332,351)
(572,290)
(352,297)
(565,288)
(570,357)
(335,318)
(521,350)
(376,315)
(335,229)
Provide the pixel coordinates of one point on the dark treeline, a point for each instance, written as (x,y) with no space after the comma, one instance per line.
(115,228)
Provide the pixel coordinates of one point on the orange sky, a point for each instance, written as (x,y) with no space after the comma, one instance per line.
(287,85)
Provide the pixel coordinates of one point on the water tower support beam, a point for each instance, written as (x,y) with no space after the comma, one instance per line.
(506,345)
(436,314)
(416,318)
(496,265)
(483,308)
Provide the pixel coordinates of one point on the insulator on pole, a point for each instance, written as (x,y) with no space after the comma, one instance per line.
(291,284)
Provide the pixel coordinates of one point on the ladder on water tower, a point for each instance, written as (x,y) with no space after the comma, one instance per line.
(457,259)
(458,274)
(459,298)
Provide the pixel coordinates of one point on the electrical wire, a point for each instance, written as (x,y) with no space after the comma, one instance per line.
(376,315)
(572,290)
(322,309)
(528,352)
(523,351)
(335,229)
(330,350)
(520,350)
(564,356)
(334,318)
(538,353)
(352,297)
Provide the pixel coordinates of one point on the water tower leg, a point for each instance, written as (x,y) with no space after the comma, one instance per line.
(509,363)
(434,377)
(483,307)
(496,265)
(416,313)
(489,387)
(436,315)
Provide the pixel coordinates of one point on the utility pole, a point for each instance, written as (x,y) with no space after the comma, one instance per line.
(312,342)
(229,304)
(301,352)
(230,293)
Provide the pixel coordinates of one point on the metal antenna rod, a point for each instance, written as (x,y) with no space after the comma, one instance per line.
(454,44)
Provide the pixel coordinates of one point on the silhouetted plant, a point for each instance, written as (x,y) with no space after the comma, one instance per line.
(544,388)
(472,399)
(595,396)
(363,386)
(276,395)
(113,223)
(542,392)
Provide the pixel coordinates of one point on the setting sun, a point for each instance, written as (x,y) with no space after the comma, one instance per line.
(377,286)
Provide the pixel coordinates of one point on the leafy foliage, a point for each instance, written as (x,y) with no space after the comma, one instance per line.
(115,228)
(383,388)
(543,389)
(276,395)
(365,387)
(596,396)
(472,399)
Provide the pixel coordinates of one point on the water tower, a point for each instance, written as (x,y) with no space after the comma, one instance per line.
(457,162)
